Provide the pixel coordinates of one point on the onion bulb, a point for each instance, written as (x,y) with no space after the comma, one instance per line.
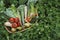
(13,29)
(7,24)
(27,24)
(19,28)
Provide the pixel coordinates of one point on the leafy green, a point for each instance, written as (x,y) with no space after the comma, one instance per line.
(9,13)
(2,8)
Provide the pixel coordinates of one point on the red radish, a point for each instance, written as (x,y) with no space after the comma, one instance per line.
(14,25)
(28,19)
(16,19)
(11,19)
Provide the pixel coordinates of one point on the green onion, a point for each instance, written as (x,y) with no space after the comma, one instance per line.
(25,11)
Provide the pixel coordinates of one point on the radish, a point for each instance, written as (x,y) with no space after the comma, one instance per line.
(7,24)
(27,19)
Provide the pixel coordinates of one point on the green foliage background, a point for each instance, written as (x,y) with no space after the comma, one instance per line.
(48,27)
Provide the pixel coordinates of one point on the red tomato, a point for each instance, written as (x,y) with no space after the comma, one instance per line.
(16,19)
(14,25)
(18,24)
(11,19)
